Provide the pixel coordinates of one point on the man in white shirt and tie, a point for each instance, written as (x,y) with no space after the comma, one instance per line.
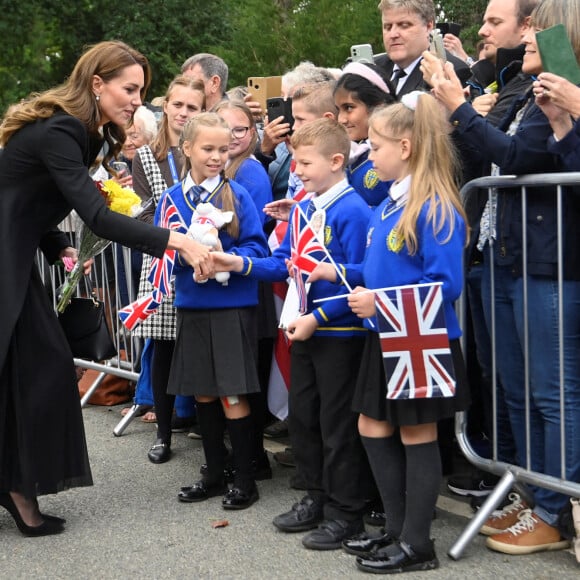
(406,28)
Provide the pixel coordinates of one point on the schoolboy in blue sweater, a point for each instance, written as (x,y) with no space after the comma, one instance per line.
(326,347)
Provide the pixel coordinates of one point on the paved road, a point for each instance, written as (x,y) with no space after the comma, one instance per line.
(130,525)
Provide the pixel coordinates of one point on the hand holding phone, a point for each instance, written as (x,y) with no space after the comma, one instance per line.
(279,107)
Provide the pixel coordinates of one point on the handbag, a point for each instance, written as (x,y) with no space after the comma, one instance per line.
(86,330)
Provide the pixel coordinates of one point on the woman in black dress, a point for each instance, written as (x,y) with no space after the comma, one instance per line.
(49,142)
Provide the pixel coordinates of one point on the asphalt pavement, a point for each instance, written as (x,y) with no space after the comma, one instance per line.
(130,525)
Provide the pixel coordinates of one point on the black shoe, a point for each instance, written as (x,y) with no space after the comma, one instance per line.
(200,491)
(277,430)
(181,424)
(364,544)
(375,518)
(304,515)
(239,499)
(330,534)
(285,458)
(479,485)
(160,452)
(194,432)
(398,557)
(48,527)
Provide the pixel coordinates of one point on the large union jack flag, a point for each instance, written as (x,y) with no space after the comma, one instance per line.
(414,342)
(306,253)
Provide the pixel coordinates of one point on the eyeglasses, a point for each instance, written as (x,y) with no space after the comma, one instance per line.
(239,132)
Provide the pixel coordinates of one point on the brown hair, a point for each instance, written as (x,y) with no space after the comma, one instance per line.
(424,8)
(161,144)
(75,96)
(327,135)
(226,197)
(567,12)
(235,164)
(433,164)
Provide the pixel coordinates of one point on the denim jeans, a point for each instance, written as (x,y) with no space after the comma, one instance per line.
(481,336)
(544,373)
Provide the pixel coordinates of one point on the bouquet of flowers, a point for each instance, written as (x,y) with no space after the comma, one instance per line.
(119,199)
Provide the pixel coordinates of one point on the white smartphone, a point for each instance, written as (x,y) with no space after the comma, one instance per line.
(120,167)
(362,53)
(436,44)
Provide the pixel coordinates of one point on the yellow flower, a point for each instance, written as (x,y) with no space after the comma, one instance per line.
(121,199)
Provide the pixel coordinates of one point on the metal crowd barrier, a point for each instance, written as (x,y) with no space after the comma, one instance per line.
(104,280)
(514,474)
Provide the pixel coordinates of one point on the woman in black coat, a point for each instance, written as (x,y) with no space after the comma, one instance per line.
(49,142)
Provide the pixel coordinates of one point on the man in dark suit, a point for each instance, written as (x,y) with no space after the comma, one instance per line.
(406,28)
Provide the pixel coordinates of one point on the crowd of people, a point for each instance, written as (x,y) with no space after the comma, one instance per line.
(359,193)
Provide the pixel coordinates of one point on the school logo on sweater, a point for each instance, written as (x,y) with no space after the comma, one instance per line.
(371,179)
(394,241)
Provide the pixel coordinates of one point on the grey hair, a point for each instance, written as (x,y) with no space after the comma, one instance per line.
(146,117)
(210,65)
(305,73)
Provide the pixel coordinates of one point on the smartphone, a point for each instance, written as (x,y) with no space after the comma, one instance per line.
(557,53)
(448,28)
(279,107)
(263,88)
(121,168)
(436,44)
(362,53)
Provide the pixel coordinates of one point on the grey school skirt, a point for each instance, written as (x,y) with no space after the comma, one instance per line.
(215,353)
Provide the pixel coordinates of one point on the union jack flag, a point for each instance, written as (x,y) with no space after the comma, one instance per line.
(306,253)
(133,314)
(162,268)
(414,342)
(166,216)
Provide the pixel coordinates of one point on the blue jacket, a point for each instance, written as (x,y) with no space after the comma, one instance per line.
(253,177)
(345,234)
(435,260)
(523,153)
(240,292)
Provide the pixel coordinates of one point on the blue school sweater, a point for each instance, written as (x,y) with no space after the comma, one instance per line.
(388,263)
(362,176)
(347,218)
(240,292)
(252,176)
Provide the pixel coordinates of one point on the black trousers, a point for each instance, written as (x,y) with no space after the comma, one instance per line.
(323,428)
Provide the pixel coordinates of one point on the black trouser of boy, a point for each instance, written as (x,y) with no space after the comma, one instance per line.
(323,428)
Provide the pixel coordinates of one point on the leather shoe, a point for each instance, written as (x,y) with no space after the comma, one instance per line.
(304,515)
(364,544)
(331,533)
(160,452)
(200,491)
(375,518)
(240,499)
(398,557)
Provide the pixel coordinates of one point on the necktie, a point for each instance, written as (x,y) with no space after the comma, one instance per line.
(196,192)
(398,74)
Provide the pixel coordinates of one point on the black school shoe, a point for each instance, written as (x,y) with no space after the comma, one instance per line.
(160,452)
(365,544)
(304,515)
(396,558)
(330,534)
(239,499)
(200,491)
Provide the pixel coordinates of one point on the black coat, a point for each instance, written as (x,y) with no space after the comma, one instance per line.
(43,175)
